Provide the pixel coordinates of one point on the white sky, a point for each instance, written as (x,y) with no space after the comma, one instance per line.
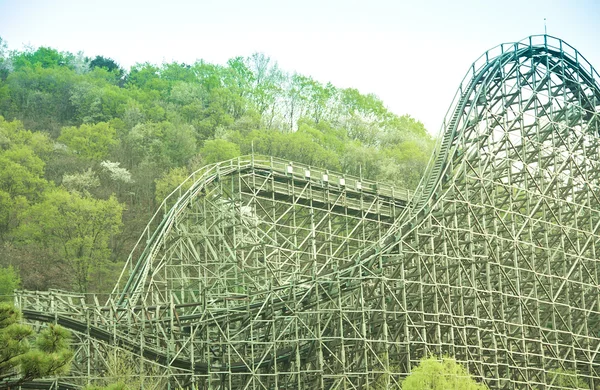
(412,54)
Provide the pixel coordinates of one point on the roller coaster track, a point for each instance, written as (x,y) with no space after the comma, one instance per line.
(131,344)
(465,96)
(325,186)
(258,283)
(326,189)
(153,355)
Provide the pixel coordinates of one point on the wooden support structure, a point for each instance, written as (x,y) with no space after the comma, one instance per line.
(264,274)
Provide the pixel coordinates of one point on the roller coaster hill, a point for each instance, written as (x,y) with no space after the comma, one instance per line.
(258,273)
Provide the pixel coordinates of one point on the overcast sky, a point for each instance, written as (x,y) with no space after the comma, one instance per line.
(412,54)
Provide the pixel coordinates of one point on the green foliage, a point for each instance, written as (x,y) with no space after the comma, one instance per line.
(169,181)
(106,63)
(44,57)
(9,281)
(89,141)
(40,97)
(21,171)
(218,150)
(54,340)
(565,379)
(96,101)
(114,386)
(178,143)
(161,142)
(3,60)
(21,360)
(74,230)
(100,131)
(444,374)
(124,374)
(8,315)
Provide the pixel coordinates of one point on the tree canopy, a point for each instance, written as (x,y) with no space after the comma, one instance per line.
(440,374)
(9,281)
(88,149)
(21,360)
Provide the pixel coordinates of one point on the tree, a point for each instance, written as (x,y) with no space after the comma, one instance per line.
(114,386)
(218,150)
(93,103)
(361,160)
(9,281)
(44,57)
(178,143)
(238,79)
(146,76)
(266,87)
(296,96)
(445,374)
(405,163)
(3,60)
(75,231)
(164,143)
(20,361)
(124,373)
(21,171)
(81,182)
(41,97)
(169,181)
(107,63)
(131,134)
(89,141)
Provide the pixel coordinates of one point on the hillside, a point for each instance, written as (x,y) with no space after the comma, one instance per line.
(88,149)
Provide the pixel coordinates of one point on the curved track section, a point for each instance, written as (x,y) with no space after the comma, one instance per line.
(546,57)
(498,253)
(254,223)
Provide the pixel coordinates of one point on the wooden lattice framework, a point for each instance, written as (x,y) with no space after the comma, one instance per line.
(268,275)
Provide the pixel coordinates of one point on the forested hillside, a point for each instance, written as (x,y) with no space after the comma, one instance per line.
(88,149)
